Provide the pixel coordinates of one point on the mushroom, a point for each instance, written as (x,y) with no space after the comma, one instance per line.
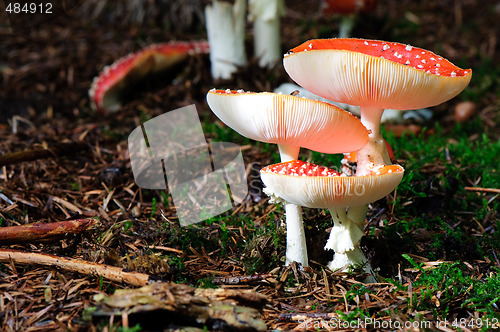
(291,122)
(225,24)
(314,186)
(265,15)
(374,75)
(106,90)
(348,9)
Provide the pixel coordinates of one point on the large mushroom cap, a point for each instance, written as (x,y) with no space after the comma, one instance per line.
(288,120)
(375,73)
(316,186)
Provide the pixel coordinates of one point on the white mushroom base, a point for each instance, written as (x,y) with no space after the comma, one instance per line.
(345,234)
(355,257)
(344,239)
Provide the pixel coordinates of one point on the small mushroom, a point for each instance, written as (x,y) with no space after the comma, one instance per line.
(107,88)
(291,122)
(315,186)
(347,9)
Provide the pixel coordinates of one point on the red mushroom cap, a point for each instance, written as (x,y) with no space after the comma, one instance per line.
(314,186)
(105,89)
(344,7)
(288,120)
(375,73)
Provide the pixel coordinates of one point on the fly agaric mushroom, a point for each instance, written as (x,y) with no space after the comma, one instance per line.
(265,15)
(291,122)
(374,75)
(226,34)
(107,88)
(314,186)
(348,9)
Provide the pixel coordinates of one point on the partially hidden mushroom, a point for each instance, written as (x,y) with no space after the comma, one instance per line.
(315,186)
(291,122)
(347,10)
(107,89)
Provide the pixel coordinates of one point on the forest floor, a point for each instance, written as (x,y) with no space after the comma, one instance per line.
(434,242)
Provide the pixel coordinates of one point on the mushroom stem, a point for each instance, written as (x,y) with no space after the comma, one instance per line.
(346,25)
(296,248)
(357,214)
(226,34)
(355,257)
(345,234)
(266,17)
(374,153)
(344,240)
(288,152)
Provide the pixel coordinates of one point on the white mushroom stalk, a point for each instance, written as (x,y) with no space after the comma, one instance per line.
(290,122)
(374,154)
(265,15)
(226,34)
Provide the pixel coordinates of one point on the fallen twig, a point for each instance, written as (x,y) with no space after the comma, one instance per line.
(241,280)
(297,316)
(44,232)
(41,153)
(485,190)
(75,265)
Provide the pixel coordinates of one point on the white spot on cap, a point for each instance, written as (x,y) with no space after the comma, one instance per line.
(385,47)
(432,58)
(407,62)
(311,45)
(423,61)
(366,43)
(438,65)
(453,74)
(408,47)
(228,90)
(420,66)
(417,56)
